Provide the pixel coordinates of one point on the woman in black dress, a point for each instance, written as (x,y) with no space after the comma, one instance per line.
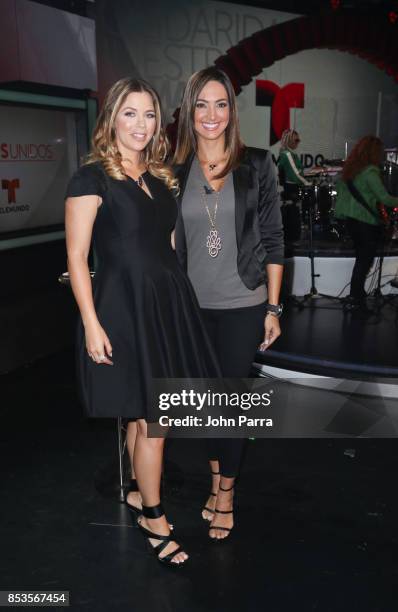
(229,238)
(139,317)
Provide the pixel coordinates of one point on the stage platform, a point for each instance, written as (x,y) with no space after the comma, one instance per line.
(320,340)
(334,260)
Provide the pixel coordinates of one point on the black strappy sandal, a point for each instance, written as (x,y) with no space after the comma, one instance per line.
(133,488)
(213,495)
(135,510)
(229,529)
(154,512)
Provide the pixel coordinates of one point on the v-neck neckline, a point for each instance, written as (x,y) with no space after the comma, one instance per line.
(150,196)
(206,181)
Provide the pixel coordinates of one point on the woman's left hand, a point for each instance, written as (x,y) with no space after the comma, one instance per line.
(272,331)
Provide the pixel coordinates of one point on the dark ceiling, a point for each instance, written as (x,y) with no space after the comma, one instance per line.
(87,8)
(316,6)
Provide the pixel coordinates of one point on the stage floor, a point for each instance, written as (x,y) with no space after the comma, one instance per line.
(315,520)
(322,339)
(333,247)
(333,264)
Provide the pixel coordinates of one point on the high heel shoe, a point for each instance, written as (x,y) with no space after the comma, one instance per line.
(135,510)
(154,512)
(229,529)
(133,488)
(213,495)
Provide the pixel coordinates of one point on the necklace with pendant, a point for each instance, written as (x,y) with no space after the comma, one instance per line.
(139,180)
(213,242)
(211,165)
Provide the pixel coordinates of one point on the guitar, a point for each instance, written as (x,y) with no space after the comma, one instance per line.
(389,218)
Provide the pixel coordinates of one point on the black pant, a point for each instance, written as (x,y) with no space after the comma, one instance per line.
(366,238)
(236,334)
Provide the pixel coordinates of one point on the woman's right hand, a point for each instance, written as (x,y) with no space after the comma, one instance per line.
(98,345)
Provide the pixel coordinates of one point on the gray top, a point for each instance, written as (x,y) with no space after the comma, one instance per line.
(215,279)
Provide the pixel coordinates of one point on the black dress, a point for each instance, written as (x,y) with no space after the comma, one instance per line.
(143,299)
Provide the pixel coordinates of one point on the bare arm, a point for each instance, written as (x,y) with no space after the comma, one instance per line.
(270,220)
(274,274)
(271,324)
(80,214)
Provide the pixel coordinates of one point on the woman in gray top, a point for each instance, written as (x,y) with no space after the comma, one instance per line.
(229,238)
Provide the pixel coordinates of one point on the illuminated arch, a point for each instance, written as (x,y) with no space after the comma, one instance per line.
(371,37)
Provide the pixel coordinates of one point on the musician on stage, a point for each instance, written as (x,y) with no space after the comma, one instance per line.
(289,164)
(358,194)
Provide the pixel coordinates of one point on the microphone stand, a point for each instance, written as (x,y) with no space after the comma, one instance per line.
(313,293)
(381,299)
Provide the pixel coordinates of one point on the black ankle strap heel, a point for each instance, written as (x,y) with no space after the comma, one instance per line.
(222,488)
(212,495)
(216,511)
(154,512)
(135,510)
(133,486)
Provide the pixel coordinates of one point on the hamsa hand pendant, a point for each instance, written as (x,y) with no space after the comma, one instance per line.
(213,243)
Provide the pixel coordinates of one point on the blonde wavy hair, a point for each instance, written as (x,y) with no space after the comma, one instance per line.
(288,139)
(103,144)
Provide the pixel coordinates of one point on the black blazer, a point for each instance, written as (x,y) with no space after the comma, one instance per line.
(258,221)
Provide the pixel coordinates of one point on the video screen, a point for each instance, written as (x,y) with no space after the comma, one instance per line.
(39,150)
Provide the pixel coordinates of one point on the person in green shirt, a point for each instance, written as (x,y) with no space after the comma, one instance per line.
(289,163)
(362,170)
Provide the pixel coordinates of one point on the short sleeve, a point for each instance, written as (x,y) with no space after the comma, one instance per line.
(87,180)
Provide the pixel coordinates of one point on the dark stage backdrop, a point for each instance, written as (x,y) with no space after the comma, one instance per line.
(335,97)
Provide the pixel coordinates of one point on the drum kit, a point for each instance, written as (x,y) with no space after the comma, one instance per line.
(319,200)
(315,203)
(308,212)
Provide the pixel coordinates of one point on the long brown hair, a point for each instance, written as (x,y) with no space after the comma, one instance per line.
(367,151)
(103,145)
(186,138)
